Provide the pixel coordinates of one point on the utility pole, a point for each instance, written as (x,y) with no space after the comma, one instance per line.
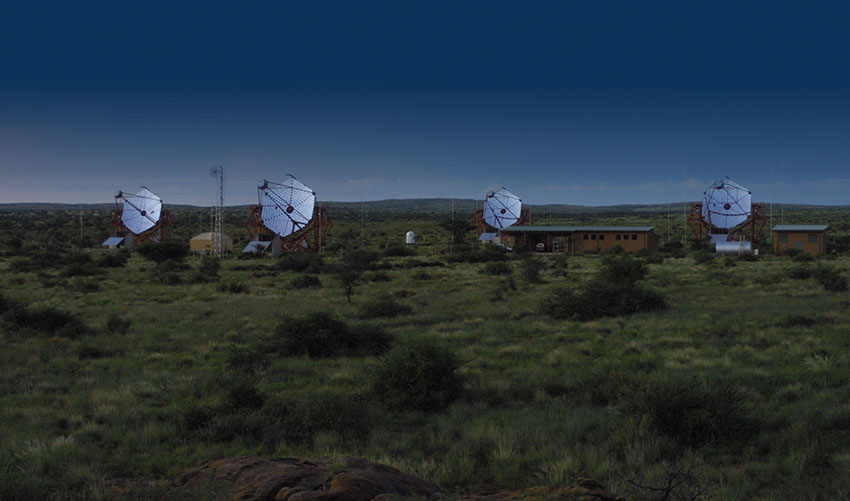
(218,213)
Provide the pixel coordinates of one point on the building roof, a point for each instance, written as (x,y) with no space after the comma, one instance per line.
(208,236)
(113,241)
(800,227)
(573,229)
(487,237)
(256,246)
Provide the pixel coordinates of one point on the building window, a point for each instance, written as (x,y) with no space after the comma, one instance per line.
(634,237)
(601,237)
(593,236)
(783,238)
(813,238)
(617,236)
(585,237)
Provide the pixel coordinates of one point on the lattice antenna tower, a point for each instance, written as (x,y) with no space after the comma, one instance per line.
(218,212)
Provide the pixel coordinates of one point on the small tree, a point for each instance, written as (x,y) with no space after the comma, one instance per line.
(349,276)
(458,229)
(531,268)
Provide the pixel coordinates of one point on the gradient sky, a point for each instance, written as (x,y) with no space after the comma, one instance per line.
(618,102)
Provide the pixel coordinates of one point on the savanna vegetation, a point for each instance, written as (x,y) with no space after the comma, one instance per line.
(710,377)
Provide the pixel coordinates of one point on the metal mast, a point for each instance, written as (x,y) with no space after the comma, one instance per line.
(218,211)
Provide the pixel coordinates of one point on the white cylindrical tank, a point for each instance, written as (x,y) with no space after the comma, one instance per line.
(733,247)
(410,238)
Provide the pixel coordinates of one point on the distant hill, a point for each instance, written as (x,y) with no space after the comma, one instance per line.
(420,206)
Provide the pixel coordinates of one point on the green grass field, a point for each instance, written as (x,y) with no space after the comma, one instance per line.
(740,389)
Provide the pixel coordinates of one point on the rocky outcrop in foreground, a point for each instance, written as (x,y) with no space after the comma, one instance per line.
(345,479)
(322,479)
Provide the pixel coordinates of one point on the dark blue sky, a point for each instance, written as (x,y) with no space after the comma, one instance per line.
(618,102)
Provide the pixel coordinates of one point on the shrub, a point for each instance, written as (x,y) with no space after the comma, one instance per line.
(616,249)
(802,257)
(300,261)
(317,412)
(377,276)
(78,269)
(305,281)
(247,360)
(497,268)
(654,258)
(702,257)
(419,263)
(383,306)
(233,287)
(622,269)
(84,285)
(361,259)
(800,272)
(693,412)
(561,264)
(830,279)
(163,251)
(601,298)
(398,250)
(531,268)
(117,325)
(89,352)
(420,374)
(113,260)
(242,395)
(322,335)
(209,266)
(794,320)
(484,254)
(43,320)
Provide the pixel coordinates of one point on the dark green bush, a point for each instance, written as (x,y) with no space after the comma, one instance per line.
(377,276)
(242,396)
(830,279)
(164,251)
(44,320)
(693,412)
(247,360)
(419,373)
(117,325)
(113,259)
(654,258)
(484,254)
(81,270)
(800,272)
(802,257)
(233,287)
(601,298)
(497,268)
(622,269)
(383,306)
(531,268)
(314,412)
(300,261)
(795,320)
(362,259)
(420,263)
(322,335)
(209,266)
(702,256)
(84,285)
(305,281)
(616,249)
(398,250)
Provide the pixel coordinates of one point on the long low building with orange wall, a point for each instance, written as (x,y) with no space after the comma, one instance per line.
(808,238)
(579,238)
